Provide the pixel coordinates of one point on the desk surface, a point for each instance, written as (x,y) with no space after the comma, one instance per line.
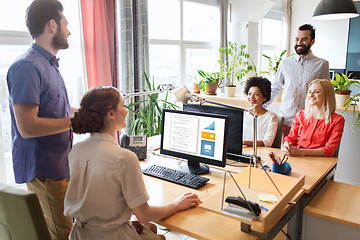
(337,202)
(313,168)
(203,224)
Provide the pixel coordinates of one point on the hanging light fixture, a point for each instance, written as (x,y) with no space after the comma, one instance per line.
(335,9)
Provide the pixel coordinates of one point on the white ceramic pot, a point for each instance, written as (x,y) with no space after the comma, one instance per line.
(230,91)
(341,99)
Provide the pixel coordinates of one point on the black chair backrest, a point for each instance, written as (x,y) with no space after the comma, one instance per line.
(277,140)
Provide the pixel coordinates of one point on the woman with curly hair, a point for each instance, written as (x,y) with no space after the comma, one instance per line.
(258,91)
(106,185)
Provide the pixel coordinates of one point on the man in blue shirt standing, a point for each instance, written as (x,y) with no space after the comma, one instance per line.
(40,114)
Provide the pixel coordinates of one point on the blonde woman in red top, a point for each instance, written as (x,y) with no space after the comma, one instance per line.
(317,130)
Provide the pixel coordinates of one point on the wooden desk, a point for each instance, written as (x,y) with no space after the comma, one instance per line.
(203,224)
(334,213)
(338,202)
(313,168)
(198,222)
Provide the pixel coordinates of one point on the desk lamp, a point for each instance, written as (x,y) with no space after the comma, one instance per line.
(184,95)
(163,88)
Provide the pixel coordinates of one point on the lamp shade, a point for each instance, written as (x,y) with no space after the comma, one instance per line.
(182,94)
(335,9)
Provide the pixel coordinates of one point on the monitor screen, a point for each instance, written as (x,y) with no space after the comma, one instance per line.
(236,117)
(197,137)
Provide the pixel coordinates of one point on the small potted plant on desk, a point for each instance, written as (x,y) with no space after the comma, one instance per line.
(209,82)
(234,65)
(341,85)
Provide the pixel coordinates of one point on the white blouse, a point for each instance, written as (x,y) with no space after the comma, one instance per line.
(105,184)
(266,127)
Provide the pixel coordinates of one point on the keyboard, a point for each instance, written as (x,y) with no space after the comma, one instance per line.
(176,176)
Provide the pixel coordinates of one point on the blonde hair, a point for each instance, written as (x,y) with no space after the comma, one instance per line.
(329,103)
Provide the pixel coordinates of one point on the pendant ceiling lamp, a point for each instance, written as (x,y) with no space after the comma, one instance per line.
(335,9)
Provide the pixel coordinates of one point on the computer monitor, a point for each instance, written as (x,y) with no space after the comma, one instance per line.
(201,138)
(236,118)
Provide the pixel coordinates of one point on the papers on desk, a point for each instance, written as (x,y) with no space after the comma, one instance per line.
(268,198)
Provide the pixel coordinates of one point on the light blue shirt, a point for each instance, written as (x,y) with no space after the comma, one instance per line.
(34,79)
(295,74)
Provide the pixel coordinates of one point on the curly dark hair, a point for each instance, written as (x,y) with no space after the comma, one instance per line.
(263,83)
(95,104)
(39,13)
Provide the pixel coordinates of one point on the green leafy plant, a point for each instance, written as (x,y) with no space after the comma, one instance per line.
(354,101)
(208,78)
(147,112)
(342,83)
(274,62)
(234,63)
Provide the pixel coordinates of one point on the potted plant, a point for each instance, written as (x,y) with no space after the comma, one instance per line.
(355,101)
(234,65)
(146,112)
(273,63)
(195,86)
(341,85)
(209,82)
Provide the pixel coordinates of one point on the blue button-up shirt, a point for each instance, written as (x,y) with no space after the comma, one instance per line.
(34,78)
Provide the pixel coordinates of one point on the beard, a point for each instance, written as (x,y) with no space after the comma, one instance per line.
(305,50)
(59,40)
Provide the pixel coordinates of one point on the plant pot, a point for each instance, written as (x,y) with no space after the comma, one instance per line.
(341,97)
(195,88)
(230,91)
(212,87)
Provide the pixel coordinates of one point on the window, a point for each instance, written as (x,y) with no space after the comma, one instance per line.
(272,35)
(184,37)
(14,40)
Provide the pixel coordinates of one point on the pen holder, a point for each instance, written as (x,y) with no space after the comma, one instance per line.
(284,168)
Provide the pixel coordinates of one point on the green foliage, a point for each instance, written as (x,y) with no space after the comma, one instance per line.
(274,62)
(342,82)
(355,99)
(234,63)
(148,115)
(207,78)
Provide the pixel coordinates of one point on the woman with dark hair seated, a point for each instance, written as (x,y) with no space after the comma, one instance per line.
(106,185)
(258,91)
(317,130)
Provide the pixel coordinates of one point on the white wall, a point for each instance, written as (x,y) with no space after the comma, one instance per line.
(331,35)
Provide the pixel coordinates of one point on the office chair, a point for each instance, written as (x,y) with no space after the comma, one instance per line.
(277,139)
(21,216)
(336,154)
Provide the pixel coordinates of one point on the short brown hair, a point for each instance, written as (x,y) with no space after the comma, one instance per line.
(39,13)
